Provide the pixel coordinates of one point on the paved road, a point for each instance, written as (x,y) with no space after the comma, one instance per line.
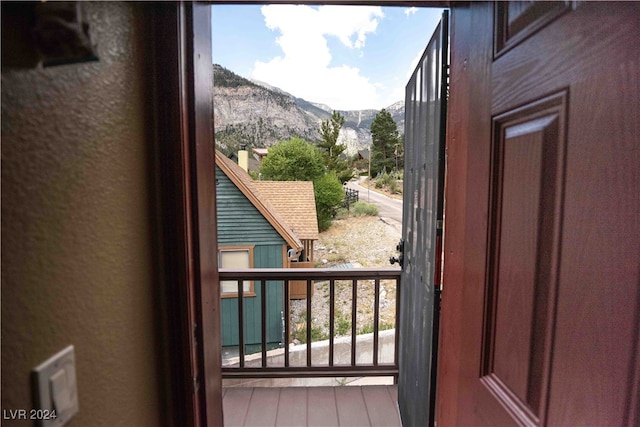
(387,207)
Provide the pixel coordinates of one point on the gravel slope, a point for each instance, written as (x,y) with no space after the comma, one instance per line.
(361,242)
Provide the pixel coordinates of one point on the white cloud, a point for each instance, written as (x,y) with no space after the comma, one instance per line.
(398,94)
(304,68)
(411,11)
(414,63)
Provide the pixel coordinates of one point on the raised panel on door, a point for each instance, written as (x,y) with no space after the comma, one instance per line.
(527,170)
(517,20)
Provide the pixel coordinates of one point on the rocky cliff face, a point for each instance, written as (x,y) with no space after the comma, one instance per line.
(260,117)
(256,114)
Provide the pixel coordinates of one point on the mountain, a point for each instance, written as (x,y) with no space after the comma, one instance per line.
(259,115)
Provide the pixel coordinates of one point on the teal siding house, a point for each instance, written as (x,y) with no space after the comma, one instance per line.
(252,233)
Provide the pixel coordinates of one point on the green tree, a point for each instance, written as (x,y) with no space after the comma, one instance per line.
(293,160)
(400,152)
(384,133)
(330,130)
(329,195)
(297,160)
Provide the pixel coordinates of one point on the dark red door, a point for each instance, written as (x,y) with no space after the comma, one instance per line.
(541,292)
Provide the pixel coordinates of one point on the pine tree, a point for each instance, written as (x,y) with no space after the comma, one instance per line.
(384,133)
(330,130)
(332,151)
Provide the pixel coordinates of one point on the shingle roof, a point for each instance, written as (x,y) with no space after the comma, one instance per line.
(247,186)
(260,151)
(295,201)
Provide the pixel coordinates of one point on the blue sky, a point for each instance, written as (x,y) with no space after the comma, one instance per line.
(348,57)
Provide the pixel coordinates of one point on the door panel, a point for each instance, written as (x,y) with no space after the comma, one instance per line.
(517,20)
(541,294)
(526,201)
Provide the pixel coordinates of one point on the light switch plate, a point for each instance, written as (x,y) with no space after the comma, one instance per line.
(55,389)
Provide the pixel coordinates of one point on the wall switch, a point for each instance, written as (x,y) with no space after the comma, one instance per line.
(55,389)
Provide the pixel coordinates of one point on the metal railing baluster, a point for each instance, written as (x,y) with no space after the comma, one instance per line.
(241,322)
(287,323)
(308,322)
(263,321)
(332,319)
(376,321)
(354,318)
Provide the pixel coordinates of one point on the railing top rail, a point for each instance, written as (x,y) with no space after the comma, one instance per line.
(309,273)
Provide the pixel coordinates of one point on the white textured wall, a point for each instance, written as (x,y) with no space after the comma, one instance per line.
(76,224)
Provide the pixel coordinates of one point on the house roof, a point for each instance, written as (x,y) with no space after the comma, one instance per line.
(247,186)
(261,152)
(364,153)
(295,201)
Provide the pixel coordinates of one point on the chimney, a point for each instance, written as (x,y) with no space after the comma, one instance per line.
(243,157)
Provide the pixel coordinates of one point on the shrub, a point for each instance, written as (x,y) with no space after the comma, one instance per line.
(365,209)
(394,188)
(342,325)
(341,213)
(368,328)
(317,334)
(388,181)
(329,196)
(299,329)
(384,179)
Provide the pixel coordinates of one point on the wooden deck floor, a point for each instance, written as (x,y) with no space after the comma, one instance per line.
(370,405)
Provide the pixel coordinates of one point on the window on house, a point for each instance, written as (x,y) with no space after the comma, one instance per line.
(236,257)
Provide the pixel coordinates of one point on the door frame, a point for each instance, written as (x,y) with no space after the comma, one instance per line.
(186,214)
(183,154)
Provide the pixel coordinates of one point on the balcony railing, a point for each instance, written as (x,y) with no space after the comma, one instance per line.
(271,280)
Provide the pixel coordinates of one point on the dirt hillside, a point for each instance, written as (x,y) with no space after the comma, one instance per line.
(358,242)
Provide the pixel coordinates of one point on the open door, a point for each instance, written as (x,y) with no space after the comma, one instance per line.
(541,297)
(425,112)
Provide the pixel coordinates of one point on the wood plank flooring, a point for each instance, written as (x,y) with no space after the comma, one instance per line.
(370,405)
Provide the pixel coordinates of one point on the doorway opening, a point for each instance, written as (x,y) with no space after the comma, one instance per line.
(250,116)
